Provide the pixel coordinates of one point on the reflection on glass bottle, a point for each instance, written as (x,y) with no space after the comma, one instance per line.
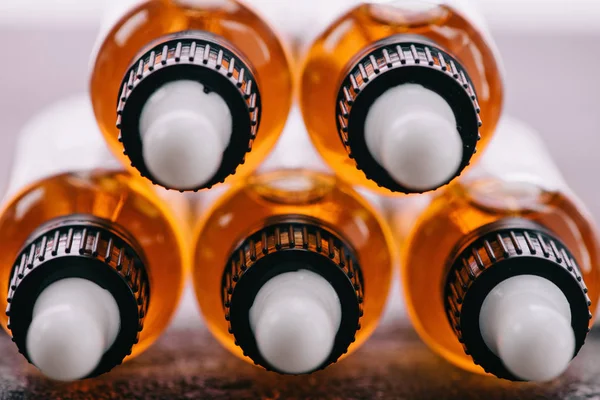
(502,269)
(190,92)
(396,95)
(93,263)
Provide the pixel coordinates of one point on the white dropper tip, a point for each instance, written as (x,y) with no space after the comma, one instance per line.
(295,318)
(184,132)
(526,321)
(411,132)
(74,322)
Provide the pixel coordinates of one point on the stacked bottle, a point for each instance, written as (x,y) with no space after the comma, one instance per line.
(292,265)
(190,94)
(397,95)
(93,261)
(501,270)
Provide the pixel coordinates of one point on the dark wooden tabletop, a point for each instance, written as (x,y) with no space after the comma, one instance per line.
(187,363)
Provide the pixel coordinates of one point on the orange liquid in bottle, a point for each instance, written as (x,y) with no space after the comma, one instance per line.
(227,19)
(349,37)
(320,197)
(460,211)
(116,197)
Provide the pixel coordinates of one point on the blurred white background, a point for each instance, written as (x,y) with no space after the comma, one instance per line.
(549,49)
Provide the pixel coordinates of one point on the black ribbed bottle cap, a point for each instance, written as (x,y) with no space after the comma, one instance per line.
(499,251)
(81,246)
(387,64)
(196,56)
(284,245)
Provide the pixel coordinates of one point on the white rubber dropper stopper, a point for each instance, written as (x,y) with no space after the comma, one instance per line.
(74,322)
(184,133)
(411,132)
(295,318)
(526,321)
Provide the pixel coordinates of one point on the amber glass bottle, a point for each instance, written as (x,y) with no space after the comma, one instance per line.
(190,93)
(502,269)
(93,262)
(397,94)
(292,270)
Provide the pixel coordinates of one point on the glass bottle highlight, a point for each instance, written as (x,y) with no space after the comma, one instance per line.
(502,269)
(93,263)
(190,93)
(396,95)
(292,270)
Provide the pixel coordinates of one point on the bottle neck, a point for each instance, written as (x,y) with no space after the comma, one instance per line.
(399,110)
(78,253)
(181,84)
(324,280)
(516,260)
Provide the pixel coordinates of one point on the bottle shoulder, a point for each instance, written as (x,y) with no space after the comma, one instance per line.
(295,192)
(465,208)
(430,21)
(103,193)
(495,198)
(328,204)
(147,21)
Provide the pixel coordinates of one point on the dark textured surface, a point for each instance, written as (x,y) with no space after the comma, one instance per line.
(189,364)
